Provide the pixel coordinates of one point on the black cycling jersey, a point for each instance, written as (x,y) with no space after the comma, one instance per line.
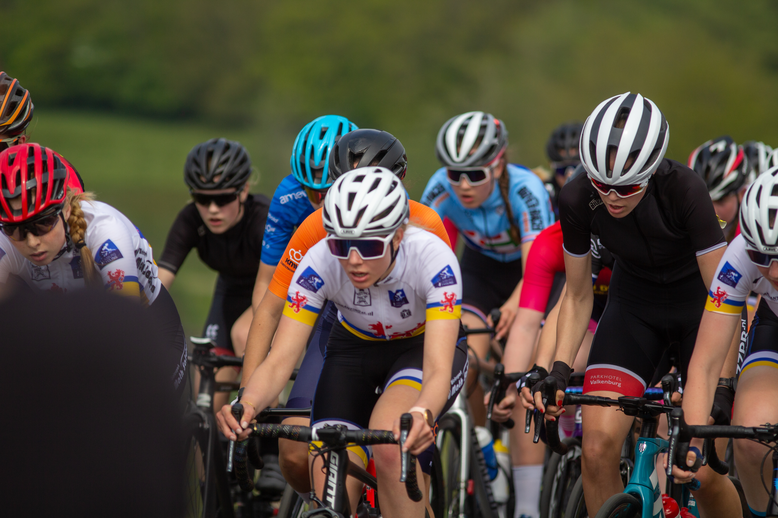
(660,239)
(234,254)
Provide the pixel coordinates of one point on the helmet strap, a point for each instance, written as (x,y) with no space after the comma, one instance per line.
(393,255)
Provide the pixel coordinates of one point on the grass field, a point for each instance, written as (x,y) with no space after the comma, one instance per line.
(137,166)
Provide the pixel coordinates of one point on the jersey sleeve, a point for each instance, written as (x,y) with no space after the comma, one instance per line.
(113,251)
(181,238)
(435,193)
(288,208)
(310,232)
(702,224)
(443,280)
(308,290)
(573,209)
(732,281)
(544,261)
(11,261)
(531,206)
(429,220)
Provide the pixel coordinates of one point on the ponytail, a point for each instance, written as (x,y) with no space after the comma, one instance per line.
(77,225)
(503,183)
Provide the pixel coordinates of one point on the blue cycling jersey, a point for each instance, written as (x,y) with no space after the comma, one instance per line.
(486,228)
(289,208)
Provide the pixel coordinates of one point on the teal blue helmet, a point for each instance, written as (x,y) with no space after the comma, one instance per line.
(311,150)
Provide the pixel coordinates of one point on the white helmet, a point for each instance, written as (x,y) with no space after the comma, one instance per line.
(760,157)
(472,139)
(643,138)
(759,213)
(365,202)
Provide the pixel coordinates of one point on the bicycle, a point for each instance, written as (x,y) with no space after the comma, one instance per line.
(335,440)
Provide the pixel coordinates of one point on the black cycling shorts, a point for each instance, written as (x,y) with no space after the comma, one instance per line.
(486,282)
(164,315)
(356,372)
(641,320)
(762,348)
(231,298)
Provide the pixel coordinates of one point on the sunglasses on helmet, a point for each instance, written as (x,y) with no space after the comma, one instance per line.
(368,248)
(760,259)
(220,200)
(39,226)
(622,191)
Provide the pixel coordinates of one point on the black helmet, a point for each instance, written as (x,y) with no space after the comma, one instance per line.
(217,164)
(562,145)
(367,147)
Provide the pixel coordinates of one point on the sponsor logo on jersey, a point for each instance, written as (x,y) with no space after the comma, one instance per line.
(75,266)
(595,245)
(269,228)
(436,191)
(41,273)
(286,198)
(310,280)
(718,297)
(2,253)
(449,299)
(397,298)
(106,254)
(273,218)
(298,302)
(115,280)
(728,275)
(593,204)
(362,297)
(295,255)
(533,205)
(444,277)
(405,313)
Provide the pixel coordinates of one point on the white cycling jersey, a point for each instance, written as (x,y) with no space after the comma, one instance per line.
(736,276)
(121,253)
(425,284)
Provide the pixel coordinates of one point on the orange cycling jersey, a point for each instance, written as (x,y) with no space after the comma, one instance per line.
(311,231)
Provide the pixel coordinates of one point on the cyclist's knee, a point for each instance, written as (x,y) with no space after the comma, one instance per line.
(239,335)
(710,481)
(749,453)
(600,449)
(387,459)
(293,461)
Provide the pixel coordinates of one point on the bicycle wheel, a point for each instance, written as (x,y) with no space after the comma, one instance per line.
(437,486)
(291,506)
(621,505)
(576,506)
(560,477)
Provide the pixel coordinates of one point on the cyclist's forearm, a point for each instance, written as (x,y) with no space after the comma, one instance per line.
(263,328)
(521,340)
(574,315)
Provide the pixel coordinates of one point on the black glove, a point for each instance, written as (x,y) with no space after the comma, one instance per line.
(722,402)
(561,372)
(543,373)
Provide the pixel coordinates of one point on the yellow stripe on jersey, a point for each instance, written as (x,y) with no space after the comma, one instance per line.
(128,289)
(444,312)
(296,309)
(719,302)
(364,336)
(407,382)
(359,450)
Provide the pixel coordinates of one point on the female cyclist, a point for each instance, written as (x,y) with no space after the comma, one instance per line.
(749,264)
(655,216)
(226,225)
(499,208)
(56,240)
(724,167)
(398,294)
(358,148)
(562,152)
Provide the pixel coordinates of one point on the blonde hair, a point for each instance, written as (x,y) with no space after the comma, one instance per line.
(503,182)
(77,225)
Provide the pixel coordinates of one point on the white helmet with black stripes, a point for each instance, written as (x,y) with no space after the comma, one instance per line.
(365,202)
(631,126)
(759,213)
(472,139)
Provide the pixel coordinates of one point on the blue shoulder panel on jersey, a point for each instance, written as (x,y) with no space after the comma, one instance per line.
(289,208)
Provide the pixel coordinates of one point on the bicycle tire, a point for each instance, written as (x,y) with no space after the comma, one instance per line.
(561,474)
(576,505)
(437,494)
(621,505)
(482,487)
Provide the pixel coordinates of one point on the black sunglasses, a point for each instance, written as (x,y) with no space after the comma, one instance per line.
(219,199)
(37,227)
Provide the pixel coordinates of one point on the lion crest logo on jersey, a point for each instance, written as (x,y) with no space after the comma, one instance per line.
(310,280)
(397,298)
(115,280)
(449,299)
(106,254)
(719,297)
(728,275)
(298,302)
(444,277)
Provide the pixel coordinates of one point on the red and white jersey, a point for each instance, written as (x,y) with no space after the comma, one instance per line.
(736,277)
(425,284)
(121,254)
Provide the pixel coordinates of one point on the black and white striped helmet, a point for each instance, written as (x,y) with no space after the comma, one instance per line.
(759,213)
(472,139)
(722,164)
(633,126)
(365,202)
(759,157)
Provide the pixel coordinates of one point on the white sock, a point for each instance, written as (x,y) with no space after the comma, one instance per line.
(526,483)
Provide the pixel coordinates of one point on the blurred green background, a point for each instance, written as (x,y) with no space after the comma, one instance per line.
(125,89)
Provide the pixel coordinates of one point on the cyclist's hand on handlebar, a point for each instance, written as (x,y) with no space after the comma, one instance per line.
(230,426)
(508,314)
(682,476)
(526,398)
(502,411)
(420,436)
(553,410)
